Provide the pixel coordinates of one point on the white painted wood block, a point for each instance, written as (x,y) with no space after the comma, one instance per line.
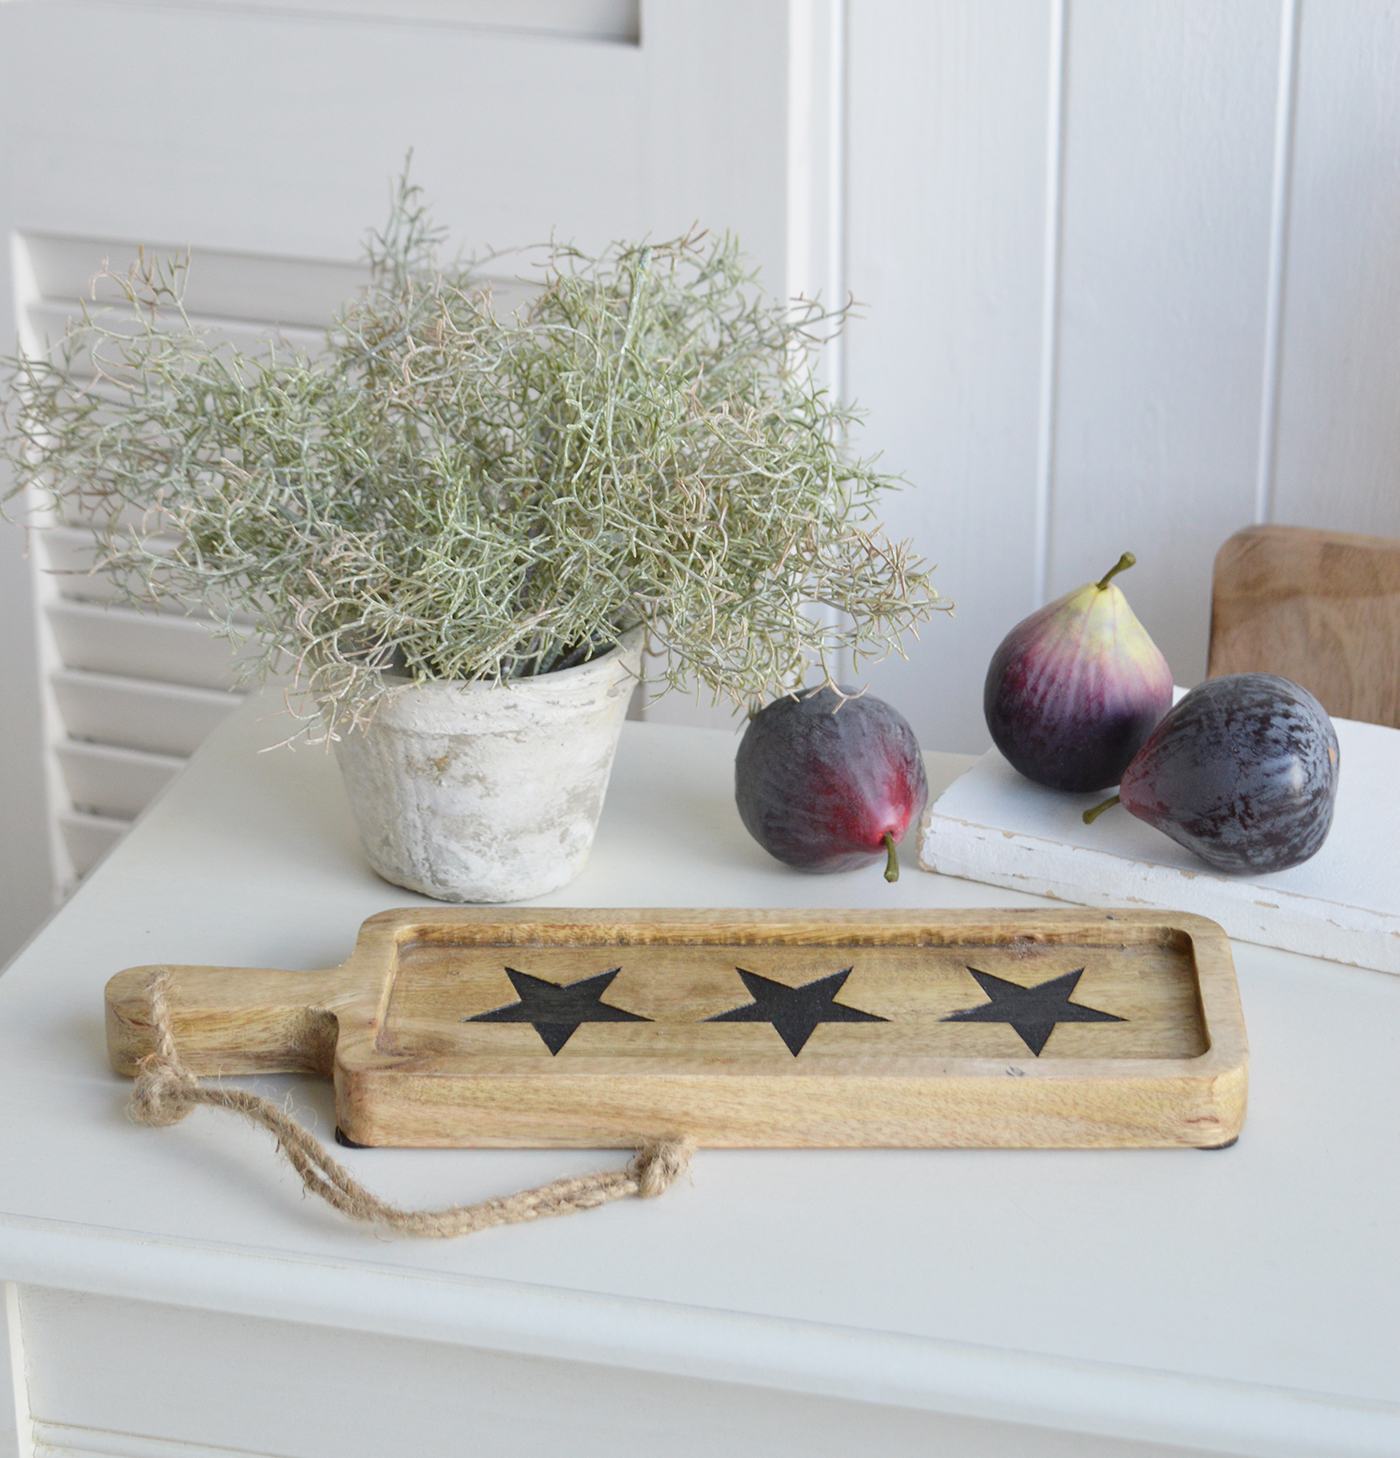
(995,826)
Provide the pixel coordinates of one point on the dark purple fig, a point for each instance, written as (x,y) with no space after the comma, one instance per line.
(1075,689)
(828,784)
(1243,771)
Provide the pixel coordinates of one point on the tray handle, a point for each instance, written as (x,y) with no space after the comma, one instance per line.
(229,1020)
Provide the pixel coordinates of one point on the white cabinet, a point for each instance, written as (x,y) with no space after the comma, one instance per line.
(179,1294)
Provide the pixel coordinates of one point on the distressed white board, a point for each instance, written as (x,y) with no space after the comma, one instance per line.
(995,826)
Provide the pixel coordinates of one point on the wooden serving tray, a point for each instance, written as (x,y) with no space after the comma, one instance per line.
(488,1027)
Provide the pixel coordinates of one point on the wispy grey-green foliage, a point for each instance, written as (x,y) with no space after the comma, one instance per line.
(460,494)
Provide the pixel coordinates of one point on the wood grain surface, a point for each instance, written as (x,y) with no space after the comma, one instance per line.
(1321,608)
(466,1026)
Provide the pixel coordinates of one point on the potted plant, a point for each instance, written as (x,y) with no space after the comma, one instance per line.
(458,515)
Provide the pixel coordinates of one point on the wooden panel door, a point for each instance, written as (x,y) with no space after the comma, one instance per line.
(266,140)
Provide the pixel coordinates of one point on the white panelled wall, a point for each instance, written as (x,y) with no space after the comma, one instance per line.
(1133,282)
(1130,272)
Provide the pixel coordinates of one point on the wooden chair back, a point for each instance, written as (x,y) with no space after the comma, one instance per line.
(1321,608)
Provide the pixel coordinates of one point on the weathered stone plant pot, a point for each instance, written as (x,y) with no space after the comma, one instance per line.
(484,791)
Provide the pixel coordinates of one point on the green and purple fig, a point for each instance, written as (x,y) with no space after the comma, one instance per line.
(1243,771)
(828,782)
(1075,689)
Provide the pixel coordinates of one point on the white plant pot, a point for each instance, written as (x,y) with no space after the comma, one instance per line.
(485,791)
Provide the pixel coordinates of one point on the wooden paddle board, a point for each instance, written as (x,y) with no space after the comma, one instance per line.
(588,1028)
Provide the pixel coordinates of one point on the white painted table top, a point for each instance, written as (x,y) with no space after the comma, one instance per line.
(1247,1300)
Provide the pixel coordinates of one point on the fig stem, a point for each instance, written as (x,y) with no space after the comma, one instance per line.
(1092,815)
(892,860)
(1124,562)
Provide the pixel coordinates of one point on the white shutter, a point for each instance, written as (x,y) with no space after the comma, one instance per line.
(133,693)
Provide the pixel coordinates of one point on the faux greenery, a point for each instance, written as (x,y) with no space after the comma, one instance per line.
(460,493)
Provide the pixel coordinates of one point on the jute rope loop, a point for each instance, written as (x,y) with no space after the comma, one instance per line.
(166,1091)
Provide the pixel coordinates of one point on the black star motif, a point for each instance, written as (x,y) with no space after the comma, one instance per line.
(1032,1011)
(554,1010)
(794,1011)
